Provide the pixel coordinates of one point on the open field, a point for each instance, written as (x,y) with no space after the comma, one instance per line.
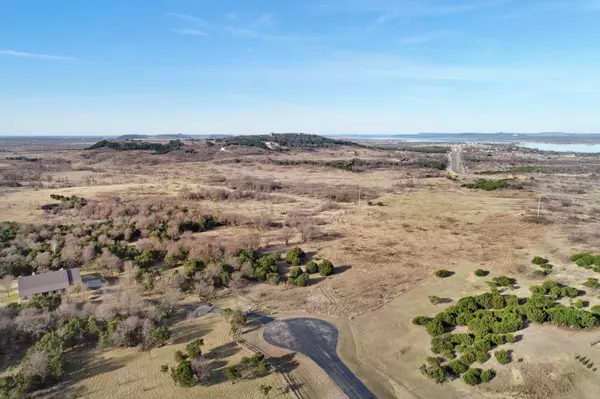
(387,219)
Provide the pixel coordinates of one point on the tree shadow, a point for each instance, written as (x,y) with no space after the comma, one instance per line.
(186,333)
(316,280)
(84,363)
(341,269)
(65,392)
(224,351)
(285,363)
(216,371)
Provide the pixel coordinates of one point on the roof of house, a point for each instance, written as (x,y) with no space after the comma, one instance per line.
(48,282)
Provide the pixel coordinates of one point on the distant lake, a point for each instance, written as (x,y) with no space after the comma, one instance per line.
(563,147)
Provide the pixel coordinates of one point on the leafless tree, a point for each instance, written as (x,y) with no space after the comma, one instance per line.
(127,332)
(67,310)
(32,322)
(42,261)
(147,328)
(202,368)
(204,288)
(130,271)
(107,310)
(108,262)
(287,234)
(36,364)
(72,255)
(249,241)
(171,294)
(87,255)
(308,232)
(6,284)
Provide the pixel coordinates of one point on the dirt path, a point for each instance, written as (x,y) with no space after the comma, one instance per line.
(455,162)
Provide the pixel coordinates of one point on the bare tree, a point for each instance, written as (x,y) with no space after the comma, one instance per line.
(36,364)
(171,294)
(87,255)
(32,322)
(72,255)
(204,288)
(109,262)
(130,272)
(42,261)
(6,284)
(202,368)
(308,232)
(287,234)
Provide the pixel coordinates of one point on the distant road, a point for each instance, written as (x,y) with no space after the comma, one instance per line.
(317,339)
(455,161)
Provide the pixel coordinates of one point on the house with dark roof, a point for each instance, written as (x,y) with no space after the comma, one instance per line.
(48,283)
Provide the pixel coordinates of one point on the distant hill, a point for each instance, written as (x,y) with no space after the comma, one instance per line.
(156,148)
(178,136)
(288,140)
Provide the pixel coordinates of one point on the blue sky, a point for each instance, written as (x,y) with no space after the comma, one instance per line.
(322,66)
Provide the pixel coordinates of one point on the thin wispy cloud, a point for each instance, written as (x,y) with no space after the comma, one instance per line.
(23,54)
(388,10)
(189,18)
(425,37)
(193,32)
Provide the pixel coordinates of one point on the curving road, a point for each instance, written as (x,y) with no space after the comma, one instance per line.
(318,340)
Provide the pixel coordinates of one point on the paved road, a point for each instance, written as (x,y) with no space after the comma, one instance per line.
(317,339)
(455,162)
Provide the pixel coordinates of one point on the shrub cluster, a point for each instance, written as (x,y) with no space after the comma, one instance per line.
(295,256)
(587,261)
(481,273)
(492,320)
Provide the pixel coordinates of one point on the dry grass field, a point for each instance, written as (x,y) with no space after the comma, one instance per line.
(385,256)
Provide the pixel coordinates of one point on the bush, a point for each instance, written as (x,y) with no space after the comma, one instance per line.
(435,327)
(482,357)
(183,374)
(443,273)
(194,348)
(295,256)
(302,280)
(579,304)
(180,356)
(481,273)
(295,271)
(272,278)
(487,184)
(538,260)
(164,368)
(159,335)
(487,375)
(456,367)
(471,377)
(502,356)
(595,309)
(423,320)
(312,267)
(547,267)
(435,300)
(503,281)
(510,338)
(448,354)
(436,373)
(591,283)
(468,358)
(325,268)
